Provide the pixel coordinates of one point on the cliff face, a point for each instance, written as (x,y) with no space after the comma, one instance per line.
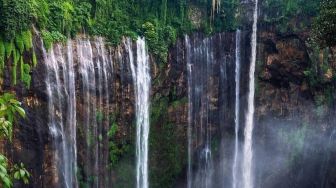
(294,117)
(287,117)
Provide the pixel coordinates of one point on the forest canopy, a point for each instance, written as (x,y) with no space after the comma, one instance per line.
(160,21)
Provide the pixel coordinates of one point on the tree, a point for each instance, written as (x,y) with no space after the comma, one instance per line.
(16,16)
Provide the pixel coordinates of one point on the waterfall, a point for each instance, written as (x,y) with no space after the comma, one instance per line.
(69,75)
(94,78)
(141,78)
(200,63)
(95,74)
(237,103)
(248,131)
(88,79)
(189,67)
(60,83)
(106,74)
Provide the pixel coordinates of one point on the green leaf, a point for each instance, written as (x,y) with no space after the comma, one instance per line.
(21,111)
(7,182)
(2,158)
(17,175)
(22,173)
(3,169)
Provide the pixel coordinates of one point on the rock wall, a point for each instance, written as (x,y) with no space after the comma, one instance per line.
(293,113)
(285,102)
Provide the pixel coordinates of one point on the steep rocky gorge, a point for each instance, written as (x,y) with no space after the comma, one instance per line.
(285,107)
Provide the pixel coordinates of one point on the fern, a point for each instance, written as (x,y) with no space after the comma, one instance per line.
(27,39)
(19,43)
(9,47)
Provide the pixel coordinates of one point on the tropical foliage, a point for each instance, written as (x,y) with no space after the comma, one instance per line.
(10,108)
(112,18)
(160,21)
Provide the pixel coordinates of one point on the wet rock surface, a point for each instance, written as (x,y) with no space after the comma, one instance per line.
(283,96)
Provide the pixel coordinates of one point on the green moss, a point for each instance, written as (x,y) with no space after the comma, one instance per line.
(26,79)
(34,59)
(9,47)
(180,102)
(158,109)
(27,39)
(99,116)
(25,73)
(16,58)
(165,144)
(90,139)
(19,43)
(114,151)
(125,173)
(21,68)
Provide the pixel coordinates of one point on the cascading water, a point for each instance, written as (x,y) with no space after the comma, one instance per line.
(62,111)
(237,103)
(247,168)
(208,65)
(69,77)
(87,73)
(189,68)
(95,74)
(94,79)
(106,74)
(200,63)
(141,79)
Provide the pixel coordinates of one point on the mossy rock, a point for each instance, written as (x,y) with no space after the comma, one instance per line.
(9,47)
(27,39)
(19,43)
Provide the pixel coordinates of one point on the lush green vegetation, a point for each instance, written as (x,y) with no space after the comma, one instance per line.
(314,17)
(160,21)
(325,24)
(166,142)
(10,108)
(321,72)
(289,15)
